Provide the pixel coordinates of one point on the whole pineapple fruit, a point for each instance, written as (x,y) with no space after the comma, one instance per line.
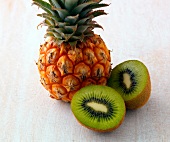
(72,56)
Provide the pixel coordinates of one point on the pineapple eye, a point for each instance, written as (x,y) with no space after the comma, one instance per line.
(65,66)
(82,71)
(71,83)
(53,74)
(41,62)
(52,55)
(89,57)
(98,71)
(59,91)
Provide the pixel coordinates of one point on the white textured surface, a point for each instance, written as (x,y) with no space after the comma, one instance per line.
(134,29)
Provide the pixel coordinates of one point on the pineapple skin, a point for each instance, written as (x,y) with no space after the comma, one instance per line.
(64,70)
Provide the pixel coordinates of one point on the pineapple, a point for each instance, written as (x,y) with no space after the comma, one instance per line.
(73,56)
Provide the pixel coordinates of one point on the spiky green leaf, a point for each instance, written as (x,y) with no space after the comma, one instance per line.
(67,37)
(48,35)
(97,13)
(55,3)
(88,34)
(80,38)
(84,13)
(71,19)
(83,21)
(94,24)
(60,41)
(46,15)
(56,34)
(61,3)
(63,13)
(81,29)
(70,4)
(59,30)
(80,7)
(44,5)
(48,22)
(81,1)
(71,29)
(90,8)
(73,44)
(62,24)
(97,5)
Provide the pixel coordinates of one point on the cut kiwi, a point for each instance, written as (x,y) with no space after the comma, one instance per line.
(132,81)
(98,107)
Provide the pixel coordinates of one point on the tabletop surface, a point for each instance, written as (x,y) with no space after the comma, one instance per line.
(132,30)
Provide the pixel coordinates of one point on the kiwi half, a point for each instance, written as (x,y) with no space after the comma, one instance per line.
(131,79)
(98,107)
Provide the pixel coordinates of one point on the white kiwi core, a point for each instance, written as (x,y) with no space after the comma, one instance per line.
(97,106)
(126,80)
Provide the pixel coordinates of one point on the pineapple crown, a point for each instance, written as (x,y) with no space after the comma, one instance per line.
(70,21)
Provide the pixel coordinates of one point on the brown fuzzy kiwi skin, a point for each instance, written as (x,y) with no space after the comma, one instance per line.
(141,99)
(102,131)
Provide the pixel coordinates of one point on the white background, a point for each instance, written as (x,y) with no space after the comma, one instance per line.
(134,29)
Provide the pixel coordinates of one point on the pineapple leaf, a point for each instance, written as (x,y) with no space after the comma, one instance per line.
(98,1)
(46,15)
(62,12)
(89,34)
(55,3)
(44,5)
(84,13)
(81,1)
(73,44)
(62,25)
(70,4)
(59,30)
(48,35)
(60,41)
(95,26)
(90,8)
(80,38)
(83,21)
(57,35)
(61,3)
(97,13)
(88,30)
(71,29)
(67,36)
(97,5)
(80,7)
(71,19)
(48,22)
(81,29)
(74,38)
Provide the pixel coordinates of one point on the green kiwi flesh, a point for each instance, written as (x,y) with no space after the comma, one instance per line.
(132,81)
(98,107)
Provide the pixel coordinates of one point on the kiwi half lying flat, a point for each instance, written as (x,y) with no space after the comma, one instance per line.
(99,108)
(131,79)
